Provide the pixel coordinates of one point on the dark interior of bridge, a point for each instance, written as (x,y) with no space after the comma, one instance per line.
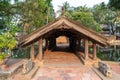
(74,40)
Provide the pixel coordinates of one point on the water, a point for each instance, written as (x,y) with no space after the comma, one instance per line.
(20,53)
(110,54)
(23,52)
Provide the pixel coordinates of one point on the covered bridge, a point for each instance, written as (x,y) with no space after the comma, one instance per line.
(78,35)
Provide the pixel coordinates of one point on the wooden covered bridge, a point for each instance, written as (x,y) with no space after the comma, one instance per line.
(77,34)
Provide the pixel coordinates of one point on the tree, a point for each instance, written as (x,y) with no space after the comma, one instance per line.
(4,12)
(84,16)
(8,13)
(86,19)
(104,15)
(7,38)
(99,12)
(65,10)
(49,11)
(8,26)
(81,14)
(35,13)
(114,4)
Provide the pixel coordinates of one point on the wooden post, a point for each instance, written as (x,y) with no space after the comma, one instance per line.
(70,42)
(94,51)
(46,44)
(50,44)
(54,42)
(32,56)
(86,48)
(40,49)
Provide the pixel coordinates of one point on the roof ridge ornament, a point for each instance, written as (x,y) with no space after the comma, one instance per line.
(63,12)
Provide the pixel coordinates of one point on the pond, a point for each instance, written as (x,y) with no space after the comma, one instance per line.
(109,54)
(22,52)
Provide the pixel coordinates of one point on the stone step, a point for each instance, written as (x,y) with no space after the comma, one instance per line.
(31,74)
(102,77)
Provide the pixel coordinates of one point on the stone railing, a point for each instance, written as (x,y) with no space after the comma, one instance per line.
(105,69)
(12,69)
(27,66)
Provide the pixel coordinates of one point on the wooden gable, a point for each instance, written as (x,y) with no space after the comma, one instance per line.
(64,23)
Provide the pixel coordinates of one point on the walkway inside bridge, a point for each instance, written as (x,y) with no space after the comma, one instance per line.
(63,64)
(61,55)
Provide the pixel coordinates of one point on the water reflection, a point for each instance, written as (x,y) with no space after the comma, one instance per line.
(20,53)
(110,53)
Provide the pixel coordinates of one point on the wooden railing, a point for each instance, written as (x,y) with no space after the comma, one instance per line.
(115,42)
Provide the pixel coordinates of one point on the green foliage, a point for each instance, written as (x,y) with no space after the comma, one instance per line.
(102,14)
(114,4)
(108,16)
(35,13)
(101,55)
(3,55)
(81,14)
(21,53)
(86,19)
(7,41)
(7,38)
(4,8)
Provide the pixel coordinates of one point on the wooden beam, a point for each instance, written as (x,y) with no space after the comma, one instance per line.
(32,56)
(40,49)
(94,51)
(86,48)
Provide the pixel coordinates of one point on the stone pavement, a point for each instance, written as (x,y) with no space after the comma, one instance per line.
(114,65)
(64,66)
(115,76)
(116,68)
(65,73)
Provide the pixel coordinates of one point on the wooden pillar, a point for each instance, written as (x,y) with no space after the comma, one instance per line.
(86,48)
(54,42)
(94,51)
(50,43)
(46,44)
(40,49)
(70,42)
(32,56)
